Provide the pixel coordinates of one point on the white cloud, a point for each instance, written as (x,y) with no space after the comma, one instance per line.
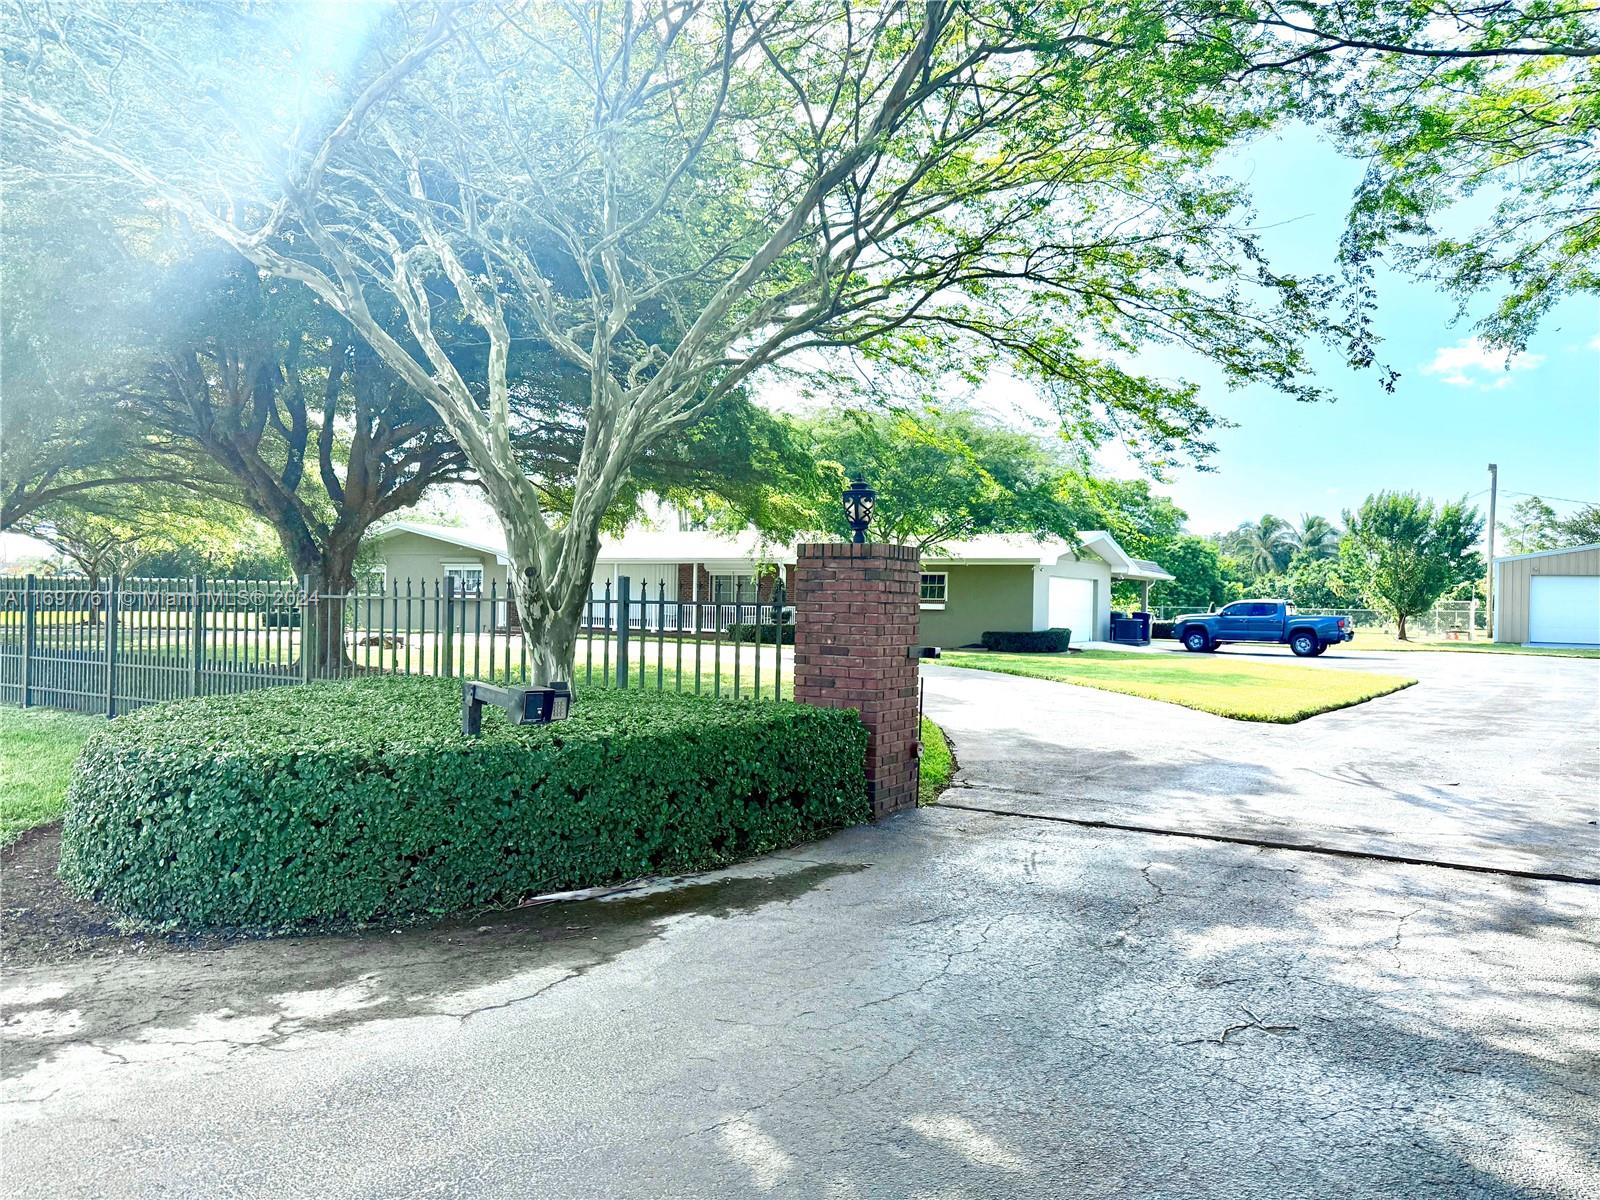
(1470,363)
(1594,342)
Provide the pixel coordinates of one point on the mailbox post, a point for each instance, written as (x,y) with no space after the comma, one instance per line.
(524,705)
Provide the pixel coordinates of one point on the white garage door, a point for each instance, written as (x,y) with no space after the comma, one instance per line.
(1072,607)
(1565,608)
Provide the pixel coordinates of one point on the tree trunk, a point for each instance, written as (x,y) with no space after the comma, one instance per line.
(94,598)
(550,601)
(333,571)
(1402,622)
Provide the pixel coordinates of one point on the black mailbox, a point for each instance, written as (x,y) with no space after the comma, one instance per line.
(924,652)
(524,705)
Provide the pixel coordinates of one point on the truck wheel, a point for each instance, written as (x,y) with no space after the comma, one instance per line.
(1196,641)
(1321,646)
(1304,644)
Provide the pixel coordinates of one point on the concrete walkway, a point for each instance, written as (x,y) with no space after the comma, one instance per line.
(1491,760)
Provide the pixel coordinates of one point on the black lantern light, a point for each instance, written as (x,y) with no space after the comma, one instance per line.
(858,502)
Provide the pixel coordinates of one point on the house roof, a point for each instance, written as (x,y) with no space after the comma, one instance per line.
(486,539)
(1145,569)
(700,546)
(636,545)
(1001,549)
(1500,558)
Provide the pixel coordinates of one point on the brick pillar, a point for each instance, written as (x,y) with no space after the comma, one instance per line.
(856,622)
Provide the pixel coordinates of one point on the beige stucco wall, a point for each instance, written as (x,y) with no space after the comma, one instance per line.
(1513,586)
(422,561)
(980,598)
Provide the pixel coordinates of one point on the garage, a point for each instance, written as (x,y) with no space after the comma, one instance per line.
(1564,608)
(1072,606)
(1548,598)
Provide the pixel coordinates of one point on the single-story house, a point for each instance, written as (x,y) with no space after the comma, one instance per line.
(995,582)
(1549,597)
(1013,583)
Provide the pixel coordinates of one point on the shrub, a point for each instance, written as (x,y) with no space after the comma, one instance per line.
(770,634)
(1028,641)
(362,799)
(1162,629)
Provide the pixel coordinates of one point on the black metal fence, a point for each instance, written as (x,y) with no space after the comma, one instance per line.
(68,643)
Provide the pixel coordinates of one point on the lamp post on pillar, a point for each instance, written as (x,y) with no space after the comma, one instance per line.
(859,500)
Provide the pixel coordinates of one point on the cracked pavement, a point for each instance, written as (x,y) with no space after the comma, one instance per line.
(951,1004)
(1491,760)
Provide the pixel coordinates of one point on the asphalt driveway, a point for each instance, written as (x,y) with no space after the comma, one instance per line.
(949,1004)
(1491,760)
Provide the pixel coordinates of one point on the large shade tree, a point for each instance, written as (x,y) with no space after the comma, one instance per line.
(66,284)
(1496,102)
(279,408)
(671,198)
(1403,552)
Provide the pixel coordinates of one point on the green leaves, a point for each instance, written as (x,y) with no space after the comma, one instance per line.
(1403,554)
(1499,101)
(361,800)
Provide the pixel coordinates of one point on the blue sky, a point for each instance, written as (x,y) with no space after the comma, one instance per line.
(1454,409)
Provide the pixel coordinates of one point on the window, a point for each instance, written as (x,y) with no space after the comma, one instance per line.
(935,587)
(1235,610)
(733,589)
(468,577)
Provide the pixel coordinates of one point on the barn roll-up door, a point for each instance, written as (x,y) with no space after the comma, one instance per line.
(1564,608)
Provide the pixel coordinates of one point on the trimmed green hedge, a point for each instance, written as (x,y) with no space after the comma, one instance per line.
(770,634)
(1027,641)
(361,799)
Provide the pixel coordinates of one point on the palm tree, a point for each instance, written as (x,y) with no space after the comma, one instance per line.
(1264,545)
(1317,537)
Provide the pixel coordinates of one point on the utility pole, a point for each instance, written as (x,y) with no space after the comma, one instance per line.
(1488,585)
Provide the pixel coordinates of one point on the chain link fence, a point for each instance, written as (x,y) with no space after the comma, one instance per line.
(1445,619)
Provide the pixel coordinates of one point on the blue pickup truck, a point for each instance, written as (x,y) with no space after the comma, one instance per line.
(1262,621)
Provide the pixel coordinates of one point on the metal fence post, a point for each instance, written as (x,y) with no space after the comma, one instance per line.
(308,625)
(111,647)
(447,628)
(623,585)
(30,608)
(197,634)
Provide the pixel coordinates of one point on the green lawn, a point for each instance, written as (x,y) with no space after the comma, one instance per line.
(1377,640)
(37,749)
(937,763)
(1245,691)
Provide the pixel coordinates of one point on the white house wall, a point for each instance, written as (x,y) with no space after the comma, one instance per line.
(645,578)
(1091,569)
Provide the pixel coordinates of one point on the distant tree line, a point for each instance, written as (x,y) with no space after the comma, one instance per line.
(1534,525)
